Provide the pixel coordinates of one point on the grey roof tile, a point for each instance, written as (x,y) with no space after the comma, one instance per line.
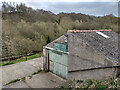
(108,46)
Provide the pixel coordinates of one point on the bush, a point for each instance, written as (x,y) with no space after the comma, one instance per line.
(79,81)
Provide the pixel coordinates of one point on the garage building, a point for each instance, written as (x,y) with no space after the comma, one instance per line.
(83,54)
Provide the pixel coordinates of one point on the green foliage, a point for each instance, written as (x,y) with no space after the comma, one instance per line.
(47,70)
(113,83)
(4,63)
(23,78)
(88,83)
(48,40)
(101,86)
(36,72)
(79,81)
(58,21)
(61,87)
(41,53)
(8,63)
(13,81)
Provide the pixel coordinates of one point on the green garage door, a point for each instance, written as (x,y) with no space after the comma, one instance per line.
(58,63)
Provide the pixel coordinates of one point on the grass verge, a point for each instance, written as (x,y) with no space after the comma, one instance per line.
(4,63)
(110,83)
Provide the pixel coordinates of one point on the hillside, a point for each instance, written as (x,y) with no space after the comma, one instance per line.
(26,30)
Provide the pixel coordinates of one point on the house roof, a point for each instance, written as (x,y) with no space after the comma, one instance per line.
(105,41)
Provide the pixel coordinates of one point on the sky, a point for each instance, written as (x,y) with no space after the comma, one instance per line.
(89,7)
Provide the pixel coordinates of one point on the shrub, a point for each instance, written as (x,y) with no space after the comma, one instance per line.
(79,81)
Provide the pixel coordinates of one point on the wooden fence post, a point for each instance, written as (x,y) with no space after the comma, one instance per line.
(9,59)
(26,57)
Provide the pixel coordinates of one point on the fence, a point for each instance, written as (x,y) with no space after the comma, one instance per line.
(17,57)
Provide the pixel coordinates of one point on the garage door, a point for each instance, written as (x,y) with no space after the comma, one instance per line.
(58,63)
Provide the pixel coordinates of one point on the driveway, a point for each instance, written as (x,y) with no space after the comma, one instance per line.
(40,80)
(19,70)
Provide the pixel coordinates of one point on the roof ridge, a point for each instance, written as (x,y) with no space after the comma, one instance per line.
(89,30)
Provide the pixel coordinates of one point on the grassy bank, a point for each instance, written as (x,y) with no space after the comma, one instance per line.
(22,59)
(111,82)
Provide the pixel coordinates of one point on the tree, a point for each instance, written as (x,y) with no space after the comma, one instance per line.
(4,8)
(59,20)
(48,40)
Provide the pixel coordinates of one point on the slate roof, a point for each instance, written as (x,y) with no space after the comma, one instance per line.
(108,46)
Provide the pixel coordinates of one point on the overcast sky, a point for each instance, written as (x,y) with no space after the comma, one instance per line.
(91,7)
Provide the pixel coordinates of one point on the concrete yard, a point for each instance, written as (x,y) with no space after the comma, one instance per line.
(41,80)
(26,69)
(19,84)
(19,70)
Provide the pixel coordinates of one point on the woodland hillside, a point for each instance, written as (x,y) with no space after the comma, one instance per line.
(25,30)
